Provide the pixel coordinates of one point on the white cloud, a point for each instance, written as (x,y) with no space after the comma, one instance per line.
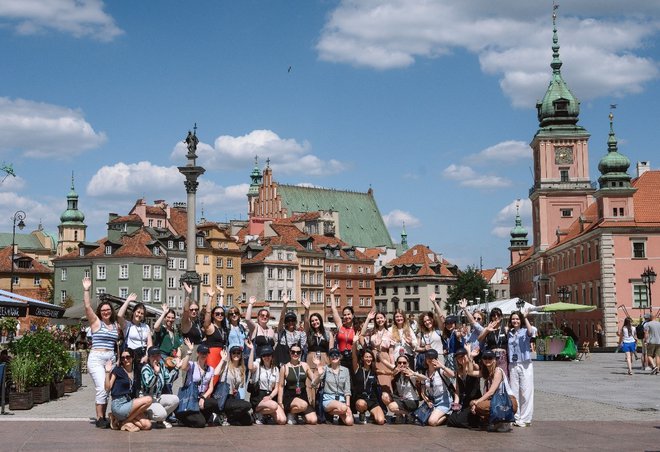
(396,218)
(11,183)
(504,35)
(287,156)
(43,130)
(505,152)
(468,177)
(505,219)
(47,213)
(80,18)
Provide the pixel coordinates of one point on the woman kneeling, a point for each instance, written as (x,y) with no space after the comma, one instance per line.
(337,388)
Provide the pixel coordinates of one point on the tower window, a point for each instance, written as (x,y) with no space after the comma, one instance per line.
(566,213)
(564,175)
(561,106)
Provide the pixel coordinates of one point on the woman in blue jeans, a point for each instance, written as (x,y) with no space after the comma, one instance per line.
(435,391)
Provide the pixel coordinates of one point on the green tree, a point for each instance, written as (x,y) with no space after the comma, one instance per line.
(470,285)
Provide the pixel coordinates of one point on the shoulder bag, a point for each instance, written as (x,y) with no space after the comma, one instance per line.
(188,394)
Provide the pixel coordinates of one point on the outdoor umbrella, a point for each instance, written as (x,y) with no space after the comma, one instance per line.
(566,307)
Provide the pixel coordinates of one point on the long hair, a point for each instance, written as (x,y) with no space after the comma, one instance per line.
(139,306)
(422,327)
(366,350)
(321,328)
(113,314)
(521,317)
(627,323)
(241,365)
(395,329)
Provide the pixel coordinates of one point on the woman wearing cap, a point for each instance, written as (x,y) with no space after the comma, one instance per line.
(201,374)
(494,338)
(521,370)
(404,341)
(128,411)
(379,340)
(156,379)
(406,397)
(476,326)
(105,335)
(345,332)
(494,378)
(452,340)
(232,371)
(216,330)
(468,388)
(263,395)
(289,334)
(260,332)
(365,386)
(137,334)
(319,342)
(336,387)
(436,392)
(291,393)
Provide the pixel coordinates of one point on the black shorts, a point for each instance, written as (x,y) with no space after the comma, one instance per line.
(257,397)
(407,405)
(371,403)
(290,394)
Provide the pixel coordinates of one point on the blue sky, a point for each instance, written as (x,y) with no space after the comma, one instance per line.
(431,103)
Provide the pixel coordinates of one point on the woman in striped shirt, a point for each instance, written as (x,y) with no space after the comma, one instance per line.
(105,334)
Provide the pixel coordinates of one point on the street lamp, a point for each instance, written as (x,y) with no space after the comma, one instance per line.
(19,216)
(648,278)
(563,292)
(521,303)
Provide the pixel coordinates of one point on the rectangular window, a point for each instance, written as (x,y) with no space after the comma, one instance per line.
(108,249)
(200,242)
(270,295)
(359,269)
(156,251)
(37,280)
(62,296)
(327,301)
(218,280)
(170,244)
(171,301)
(206,260)
(280,273)
(328,268)
(289,256)
(123,292)
(289,273)
(182,264)
(171,283)
(218,262)
(243,277)
(349,283)
(156,295)
(349,301)
(230,262)
(182,245)
(205,279)
(566,213)
(349,268)
(640,296)
(170,263)
(328,283)
(395,290)
(303,277)
(230,281)
(63,274)
(639,250)
(362,301)
(88,273)
(335,268)
(100,290)
(123,271)
(158,274)
(146,272)
(614,212)
(146,294)
(360,284)
(100,272)
(269,272)
(230,299)
(563,173)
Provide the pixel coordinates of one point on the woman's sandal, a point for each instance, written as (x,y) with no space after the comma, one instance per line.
(114,424)
(130,427)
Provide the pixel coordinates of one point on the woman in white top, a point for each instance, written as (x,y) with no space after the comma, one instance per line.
(263,396)
(379,340)
(628,341)
(436,392)
(403,340)
(137,334)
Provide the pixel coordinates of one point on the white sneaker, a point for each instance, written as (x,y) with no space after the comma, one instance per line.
(291,419)
(167,424)
(259,419)
(520,424)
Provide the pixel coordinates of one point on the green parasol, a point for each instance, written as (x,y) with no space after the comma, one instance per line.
(566,307)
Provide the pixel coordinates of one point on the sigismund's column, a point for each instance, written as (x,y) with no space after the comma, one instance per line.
(191,171)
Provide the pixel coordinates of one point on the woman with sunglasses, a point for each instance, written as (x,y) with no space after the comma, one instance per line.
(345,332)
(437,391)
(379,340)
(232,371)
(156,382)
(365,386)
(468,388)
(494,338)
(494,378)
(319,343)
(105,335)
(199,373)
(476,326)
(260,332)
(191,325)
(216,330)
(128,412)
(263,394)
(406,396)
(291,393)
(336,388)
(288,334)
(137,334)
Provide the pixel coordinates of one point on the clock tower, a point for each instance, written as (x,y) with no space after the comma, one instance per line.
(562,188)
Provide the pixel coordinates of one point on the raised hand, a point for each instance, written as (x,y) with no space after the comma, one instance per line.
(305,303)
(165,307)
(252,300)
(371,315)
(131,297)
(220,289)
(316,360)
(188,343)
(223,355)
(187,288)
(87,282)
(463,303)
(248,343)
(334,288)
(211,292)
(432,297)
(285,299)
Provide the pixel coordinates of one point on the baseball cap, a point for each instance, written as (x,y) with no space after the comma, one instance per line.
(431,354)
(154,351)
(202,348)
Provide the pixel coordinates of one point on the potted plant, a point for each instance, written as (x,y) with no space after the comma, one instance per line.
(61,366)
(23,370)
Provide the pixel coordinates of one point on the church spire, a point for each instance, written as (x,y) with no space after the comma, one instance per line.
(404,237)
(518,233)
(556,62)
(614,165)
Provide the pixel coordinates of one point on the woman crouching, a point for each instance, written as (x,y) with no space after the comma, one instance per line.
(128,411)
(337,387)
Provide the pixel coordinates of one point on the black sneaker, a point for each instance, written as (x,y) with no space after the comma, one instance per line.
(102,423)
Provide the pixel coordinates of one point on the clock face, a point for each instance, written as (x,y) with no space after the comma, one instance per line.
(563,155)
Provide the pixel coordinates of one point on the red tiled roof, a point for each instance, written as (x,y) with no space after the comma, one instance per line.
(126,218)
(5,263)
(155,211)
(423,256)
(647,197)
(295,218)
(373,253)
(179,221)
(488,274)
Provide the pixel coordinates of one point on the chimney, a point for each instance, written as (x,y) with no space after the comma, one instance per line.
(643,167)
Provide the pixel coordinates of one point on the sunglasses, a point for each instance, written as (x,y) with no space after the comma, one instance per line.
(233,314)
(334,356)
(402,362)
(218,314)
(295,352)
(193,310)
(267,356)
(106,310)
(236,353)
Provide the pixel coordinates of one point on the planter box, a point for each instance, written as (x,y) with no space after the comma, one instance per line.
(41,394)
(20,400)
(69,385)
(56,390)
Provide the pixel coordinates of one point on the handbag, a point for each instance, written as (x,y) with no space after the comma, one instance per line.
(320,412)
(221,391)
(281,354)
(188,394)
(253,385)
(423,413)
(501,406)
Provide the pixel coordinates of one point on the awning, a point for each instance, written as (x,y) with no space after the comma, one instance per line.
(13,305)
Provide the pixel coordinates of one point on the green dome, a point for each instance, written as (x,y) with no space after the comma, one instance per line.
(614,165)
(72,214)
(559,106)
(518,231)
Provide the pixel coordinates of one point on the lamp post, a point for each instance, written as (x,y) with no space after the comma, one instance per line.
(19,216)
(521,303)
(563,292)
(648,278)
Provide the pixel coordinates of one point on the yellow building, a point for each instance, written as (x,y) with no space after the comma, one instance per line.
(218,261)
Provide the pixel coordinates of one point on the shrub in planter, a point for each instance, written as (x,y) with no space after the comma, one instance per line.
(23,370)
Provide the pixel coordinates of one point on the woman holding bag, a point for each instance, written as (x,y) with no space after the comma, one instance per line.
(436,390)
(494,382)
(232,373)
(379,339)
(200,374)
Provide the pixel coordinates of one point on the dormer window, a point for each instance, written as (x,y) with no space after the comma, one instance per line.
(108,249)
(561,106)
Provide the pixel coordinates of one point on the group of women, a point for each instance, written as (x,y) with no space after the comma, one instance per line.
(305,373)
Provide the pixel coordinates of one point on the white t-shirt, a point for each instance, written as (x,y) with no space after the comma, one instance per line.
(136,336)
(408,349)
(405,387)
(267,377)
